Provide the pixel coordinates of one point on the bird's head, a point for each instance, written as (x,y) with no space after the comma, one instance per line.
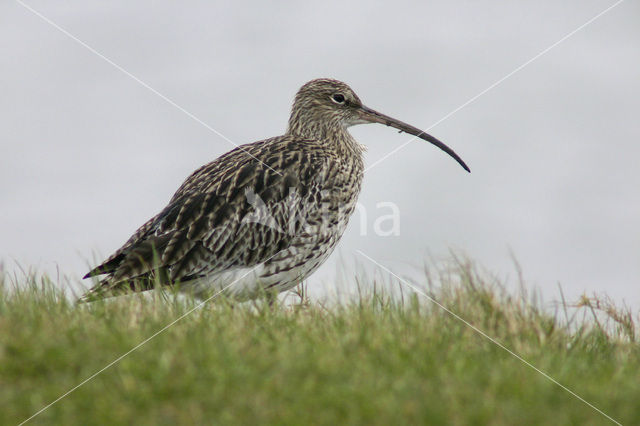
(323,106)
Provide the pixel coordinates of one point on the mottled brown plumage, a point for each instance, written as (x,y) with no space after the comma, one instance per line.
(261,217)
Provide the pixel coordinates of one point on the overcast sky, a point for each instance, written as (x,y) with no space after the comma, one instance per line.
(88,153)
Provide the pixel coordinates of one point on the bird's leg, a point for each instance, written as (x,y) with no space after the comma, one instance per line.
(301,291)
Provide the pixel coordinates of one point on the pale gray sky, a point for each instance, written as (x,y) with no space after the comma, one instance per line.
(88,154)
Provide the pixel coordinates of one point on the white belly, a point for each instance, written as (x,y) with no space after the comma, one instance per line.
(251,282)
(282,272)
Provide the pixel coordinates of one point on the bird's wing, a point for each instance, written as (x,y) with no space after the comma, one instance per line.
(236,211)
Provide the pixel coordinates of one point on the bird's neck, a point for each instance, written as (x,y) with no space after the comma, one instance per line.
(332,134)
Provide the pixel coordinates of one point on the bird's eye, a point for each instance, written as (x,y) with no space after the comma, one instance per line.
(338,98)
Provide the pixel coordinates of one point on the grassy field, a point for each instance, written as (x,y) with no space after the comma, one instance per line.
(375,359)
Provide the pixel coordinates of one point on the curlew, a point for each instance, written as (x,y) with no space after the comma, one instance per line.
(262,217)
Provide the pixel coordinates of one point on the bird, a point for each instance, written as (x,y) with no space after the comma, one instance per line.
(262,217)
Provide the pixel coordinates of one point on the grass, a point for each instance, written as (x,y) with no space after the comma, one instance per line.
(373,359)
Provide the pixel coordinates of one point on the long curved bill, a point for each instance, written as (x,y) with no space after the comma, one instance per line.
(372,116)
